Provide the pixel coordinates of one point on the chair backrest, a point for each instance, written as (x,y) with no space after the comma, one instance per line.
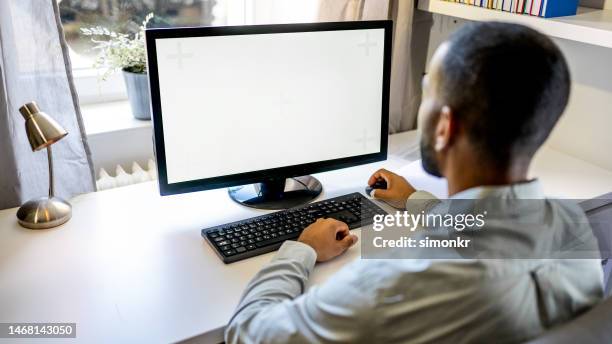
(592,327)
(599,212)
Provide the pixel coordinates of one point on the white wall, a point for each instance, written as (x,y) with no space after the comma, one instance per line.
(585,130)
(606,4)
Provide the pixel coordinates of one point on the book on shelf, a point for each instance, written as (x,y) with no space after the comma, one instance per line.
(537,8)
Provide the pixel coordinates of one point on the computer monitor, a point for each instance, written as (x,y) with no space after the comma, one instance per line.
(267,104)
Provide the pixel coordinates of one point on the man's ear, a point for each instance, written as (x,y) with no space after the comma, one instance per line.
(444,129)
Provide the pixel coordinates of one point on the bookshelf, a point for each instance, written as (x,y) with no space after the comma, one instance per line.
(592,26)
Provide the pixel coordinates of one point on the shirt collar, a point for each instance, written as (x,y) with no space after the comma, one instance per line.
(525,190)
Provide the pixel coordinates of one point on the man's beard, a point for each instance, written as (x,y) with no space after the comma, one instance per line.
(428,157)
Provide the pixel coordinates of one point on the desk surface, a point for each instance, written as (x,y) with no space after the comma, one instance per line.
(131,266)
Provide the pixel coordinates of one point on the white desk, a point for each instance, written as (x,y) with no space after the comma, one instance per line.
(131,266)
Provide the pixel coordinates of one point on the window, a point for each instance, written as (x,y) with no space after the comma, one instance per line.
(126,15)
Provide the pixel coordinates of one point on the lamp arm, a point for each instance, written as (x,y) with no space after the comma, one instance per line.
(50,158)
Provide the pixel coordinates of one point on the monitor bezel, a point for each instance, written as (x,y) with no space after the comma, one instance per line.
(166,188)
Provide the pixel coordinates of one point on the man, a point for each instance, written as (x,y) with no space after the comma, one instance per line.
(494,93)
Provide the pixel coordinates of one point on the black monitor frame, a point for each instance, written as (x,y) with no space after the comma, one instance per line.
(269,174)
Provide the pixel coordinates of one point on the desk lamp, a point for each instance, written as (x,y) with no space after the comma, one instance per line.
(44,212)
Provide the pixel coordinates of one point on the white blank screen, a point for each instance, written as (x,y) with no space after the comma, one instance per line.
(234,104)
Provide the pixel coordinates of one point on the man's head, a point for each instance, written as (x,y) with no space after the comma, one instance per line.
(496,90)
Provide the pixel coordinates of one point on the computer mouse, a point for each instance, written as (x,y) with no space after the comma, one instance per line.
(379,184)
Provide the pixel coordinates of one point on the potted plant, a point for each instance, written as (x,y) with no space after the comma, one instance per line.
(125,52)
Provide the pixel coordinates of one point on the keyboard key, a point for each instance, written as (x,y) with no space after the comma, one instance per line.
(229,252)
(275,240)
(240,249)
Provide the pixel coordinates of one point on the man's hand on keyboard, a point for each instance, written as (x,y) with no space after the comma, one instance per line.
(328,237)
(398,189)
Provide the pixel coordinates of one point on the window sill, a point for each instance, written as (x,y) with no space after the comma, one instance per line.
(115,137)
(92,89)
(109,117)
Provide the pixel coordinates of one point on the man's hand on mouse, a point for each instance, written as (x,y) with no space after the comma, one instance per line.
(328,237)
(398,189)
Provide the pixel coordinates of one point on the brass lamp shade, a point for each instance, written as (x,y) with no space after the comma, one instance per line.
(41,129)
(48,211)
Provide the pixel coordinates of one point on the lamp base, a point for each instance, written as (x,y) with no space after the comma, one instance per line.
(44,212)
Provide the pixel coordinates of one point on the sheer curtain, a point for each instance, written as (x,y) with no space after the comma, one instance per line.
(410,41)
(34,65)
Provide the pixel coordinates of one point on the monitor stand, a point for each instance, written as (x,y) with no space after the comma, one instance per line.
(277,193)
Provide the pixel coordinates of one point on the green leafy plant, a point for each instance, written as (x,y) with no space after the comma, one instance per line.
(119,50)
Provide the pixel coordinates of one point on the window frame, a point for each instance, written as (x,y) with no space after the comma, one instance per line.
(91,89)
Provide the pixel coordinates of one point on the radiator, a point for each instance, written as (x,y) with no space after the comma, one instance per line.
(122,178)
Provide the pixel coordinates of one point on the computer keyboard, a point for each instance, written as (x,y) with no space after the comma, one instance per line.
(258,235)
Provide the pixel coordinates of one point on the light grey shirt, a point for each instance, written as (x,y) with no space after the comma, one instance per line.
(416,300)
